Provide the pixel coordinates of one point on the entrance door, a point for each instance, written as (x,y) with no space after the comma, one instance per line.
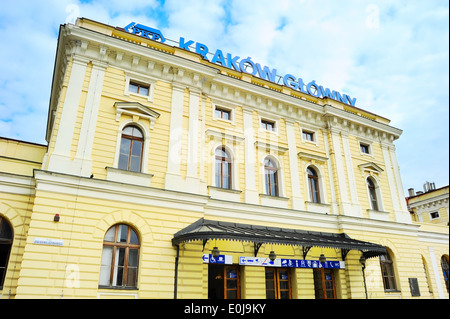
(223,282)
(324,283)
(278,283)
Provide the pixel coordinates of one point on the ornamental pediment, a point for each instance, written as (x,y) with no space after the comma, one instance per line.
(370,167)
(136,109)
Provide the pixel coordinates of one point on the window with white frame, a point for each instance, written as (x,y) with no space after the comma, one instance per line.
(308,136)
(222,113)
(139,88)
(120,258)
(434,215)
(223,168)
(268,125)
(271,177)
(365,148)
(374,201)
(131,149)
(139,85)
(313,184)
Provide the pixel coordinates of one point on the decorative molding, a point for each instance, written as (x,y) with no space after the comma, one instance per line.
(136,109)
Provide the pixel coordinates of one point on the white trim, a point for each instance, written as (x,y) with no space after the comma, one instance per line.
(141,79)
(378,192)
(145,150)
(315,140)
(280,173)
(350,174)
(70,109)
(234,169)
(173,172)
(323,195)
(269,118)
(297,198)
(224,106)
(336,145)
(135,295)
(89,123)
(251,193)
(367,143)
(193,135)
(436,272)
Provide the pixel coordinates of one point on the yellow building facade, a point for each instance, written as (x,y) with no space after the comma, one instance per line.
(169,176)
(430,206)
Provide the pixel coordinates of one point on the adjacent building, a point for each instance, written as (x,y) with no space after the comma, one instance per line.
(172,172)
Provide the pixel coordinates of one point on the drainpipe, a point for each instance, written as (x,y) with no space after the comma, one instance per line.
(176,273)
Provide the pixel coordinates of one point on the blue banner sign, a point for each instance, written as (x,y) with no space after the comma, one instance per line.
(221,259)
(290,263)
(300,263)
(246,65)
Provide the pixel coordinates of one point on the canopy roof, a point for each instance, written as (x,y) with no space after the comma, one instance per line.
(210,229)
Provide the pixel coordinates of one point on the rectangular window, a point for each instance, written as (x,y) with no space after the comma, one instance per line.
(223,114)
(268,125)
(324,283)
(434,215)
(308,136)
(138,88)
(365,148)
(278,283)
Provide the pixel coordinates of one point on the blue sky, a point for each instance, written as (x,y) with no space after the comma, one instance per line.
(393,56)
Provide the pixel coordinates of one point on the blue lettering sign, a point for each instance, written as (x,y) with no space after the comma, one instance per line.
(144,31)
(245,65)
(300,263)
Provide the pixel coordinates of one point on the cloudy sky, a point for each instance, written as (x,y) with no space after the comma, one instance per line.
(393,56)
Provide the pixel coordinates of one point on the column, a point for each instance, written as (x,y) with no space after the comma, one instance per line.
(342,185)
(251,193)
(86,140)
(59,160)
(401,216)
(192,178)
(356,208)
(173,174)
(297,200)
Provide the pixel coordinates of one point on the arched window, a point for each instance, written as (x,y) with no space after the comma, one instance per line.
(313,183)
(120,257)
(445,269)
(372,194)
(271,177)
(223,168)
(131,149)
(387,271)
(6,239)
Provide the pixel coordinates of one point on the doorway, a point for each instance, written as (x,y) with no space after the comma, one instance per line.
(223,282)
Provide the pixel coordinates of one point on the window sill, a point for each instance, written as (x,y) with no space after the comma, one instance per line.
(224,193)
(320,208)
(117,288)
(378,214)
(127,177)
(276,201)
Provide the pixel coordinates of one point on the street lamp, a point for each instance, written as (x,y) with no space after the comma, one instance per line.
(215,252)
(272,256)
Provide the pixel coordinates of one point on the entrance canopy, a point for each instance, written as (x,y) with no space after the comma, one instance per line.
(209,229)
